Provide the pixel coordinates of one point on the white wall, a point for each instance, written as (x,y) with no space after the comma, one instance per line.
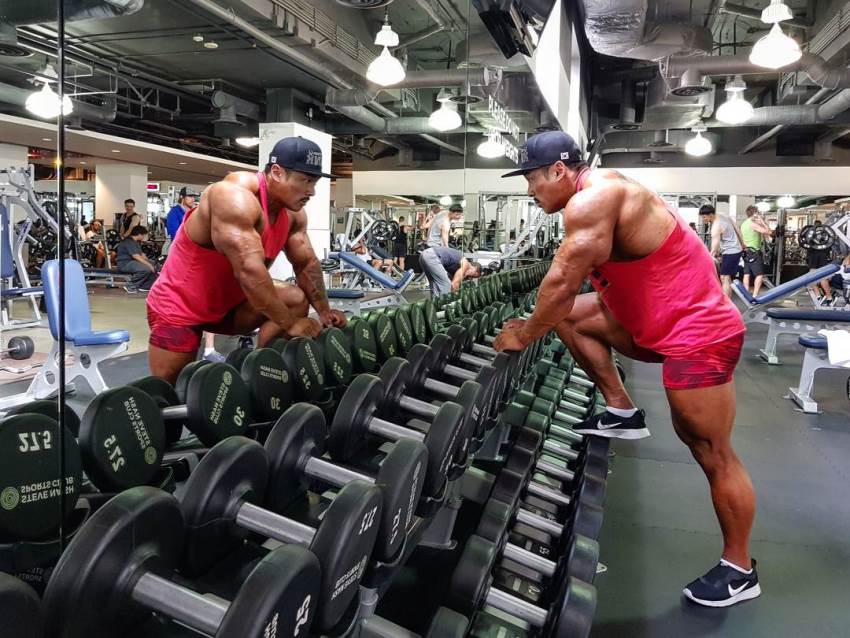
(342,193)
(437,182)
(13,156)
(318,219)
(116,182)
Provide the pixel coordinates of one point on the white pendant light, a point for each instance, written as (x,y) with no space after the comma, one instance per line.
(777,11)
(386,69)
(763,206)
(446,200)
(492,148)
(775,50)
(46,105)
(698,145)
(735,110)
(786,201)
(445,118)
(248,142)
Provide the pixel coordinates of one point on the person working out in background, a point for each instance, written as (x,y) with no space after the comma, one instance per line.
(173,221)
(132,260)
(129,218)
(216,277)
(445,268)
(753,232)
(400,243)
(93,233)
(816,259)
(658,300)
(441,226)
(373,257)
(726,244)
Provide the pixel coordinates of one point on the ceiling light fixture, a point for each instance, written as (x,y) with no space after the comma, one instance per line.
(736,109)
(182,163)
(777,11)
(491,147)
(209,44)
(386,69)
(446,200)
(197,38)
(445,118)
(775,50)
(115,150)
(698,145)
(786,201)
(46,104)
(248,142)
(763,206)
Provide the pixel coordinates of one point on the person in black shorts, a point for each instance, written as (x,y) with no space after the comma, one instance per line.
(816,259)
(400,244)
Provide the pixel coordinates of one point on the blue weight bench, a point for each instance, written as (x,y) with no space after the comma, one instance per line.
(754,311)
(349,299)
(396,286)
(11,265)
(799,321)
(816,357)
(89,347)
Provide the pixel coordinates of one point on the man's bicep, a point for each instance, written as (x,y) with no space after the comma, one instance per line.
(298,249)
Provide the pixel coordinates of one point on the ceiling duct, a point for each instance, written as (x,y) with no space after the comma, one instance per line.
(364,4)
(19,12)
(15,95)
(230,106)
(9,46)
(619,28)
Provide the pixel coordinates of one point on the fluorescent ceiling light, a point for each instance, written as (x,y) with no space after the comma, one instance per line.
(446,200)
(209,44)
(445,118)
(786,201)
(698,145)
(198,37)
(775,50)
(763,206)
(735,110)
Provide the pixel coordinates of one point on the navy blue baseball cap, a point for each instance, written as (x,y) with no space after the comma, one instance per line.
(298,154)
(544,149)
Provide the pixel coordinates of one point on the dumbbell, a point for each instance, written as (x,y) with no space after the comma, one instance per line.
(47,407)
(446,623)
(294,448)
(117,570)
(355,420)
(317,364)
(220,503)
(30,482)
(518,415)
(577,556)
(18,348)
(396,375)
(471,589)
(364,350)
(268,379)
(563,415)
(511,487)
(384,332)
(20,608)
(537,443)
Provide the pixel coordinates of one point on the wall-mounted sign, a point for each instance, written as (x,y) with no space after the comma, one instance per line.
(153,187)
(498,113)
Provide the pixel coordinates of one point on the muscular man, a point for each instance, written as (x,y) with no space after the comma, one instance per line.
(216,277)
(726,244)
(753,231)
(446,267)
(441,225)
(657,299)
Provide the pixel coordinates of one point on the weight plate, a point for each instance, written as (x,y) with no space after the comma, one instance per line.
(20,348)
(430,316)
(385,336)
(304,360)
(21,608)
(48,407)
(267,378)
(122,439)
(337,353)
(471,578)
(218,403)
(394,375)
(364,350)
(494,522)
(349,431)
(444,441)
(184,377)
(165,396)
(30,484)
(403,330)
(278,345)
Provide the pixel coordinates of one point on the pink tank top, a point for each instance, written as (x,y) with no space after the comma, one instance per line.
(197,285)
(670,301)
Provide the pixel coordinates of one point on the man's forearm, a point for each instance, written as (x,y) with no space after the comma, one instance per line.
(311,280)
(260,290)
(555,300)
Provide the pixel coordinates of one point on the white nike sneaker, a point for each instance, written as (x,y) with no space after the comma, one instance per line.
(616,427)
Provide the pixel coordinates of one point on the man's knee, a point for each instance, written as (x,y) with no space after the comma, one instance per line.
(294,298)
(712,456)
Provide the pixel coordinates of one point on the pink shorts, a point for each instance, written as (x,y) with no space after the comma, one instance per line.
(704,368)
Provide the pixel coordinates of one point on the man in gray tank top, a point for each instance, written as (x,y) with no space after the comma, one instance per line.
(438,234)
(726,244)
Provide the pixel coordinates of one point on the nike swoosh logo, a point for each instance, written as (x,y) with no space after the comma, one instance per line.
(608,426)
(735,592)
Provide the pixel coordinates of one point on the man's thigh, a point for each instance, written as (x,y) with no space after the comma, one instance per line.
(590,317)
(703,415)
(244,318)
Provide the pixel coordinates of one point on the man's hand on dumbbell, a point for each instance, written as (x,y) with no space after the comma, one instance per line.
(511,340)
(304,327)
(513,324)
(333,317)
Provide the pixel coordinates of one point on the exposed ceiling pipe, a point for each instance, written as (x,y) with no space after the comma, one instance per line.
(20,13)
(416,38)
(755,14)
(620,28)
(821,73)
(437,141)
(761,139)
(427,6)
(18,96)
(415,80)
(642,149)
(628,112)
(823,145)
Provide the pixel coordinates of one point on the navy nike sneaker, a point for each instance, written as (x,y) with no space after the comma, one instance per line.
(612,426)
(723,586)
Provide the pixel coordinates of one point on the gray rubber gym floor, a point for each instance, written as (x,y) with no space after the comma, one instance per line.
(660,531)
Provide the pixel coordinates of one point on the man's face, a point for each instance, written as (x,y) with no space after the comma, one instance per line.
(189,201)
(474,273)
(551,187)
(129,208)
(292,188)
(96,227)
(707,219)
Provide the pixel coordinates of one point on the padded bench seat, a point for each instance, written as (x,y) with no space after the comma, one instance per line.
(817,342)
(783,290)
(345,293)
(809,314)
(100,338)
(22,292)
(373,273)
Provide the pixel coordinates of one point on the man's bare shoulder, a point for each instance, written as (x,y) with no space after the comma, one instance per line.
(233,197)
(297,221)
(600,198)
